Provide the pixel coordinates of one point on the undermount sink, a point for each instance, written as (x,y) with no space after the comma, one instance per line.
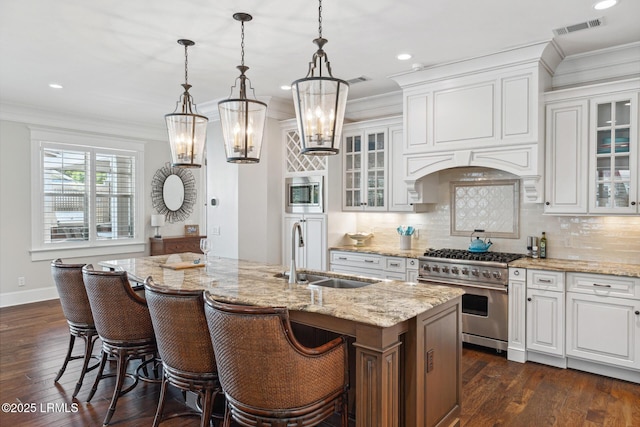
(328,282)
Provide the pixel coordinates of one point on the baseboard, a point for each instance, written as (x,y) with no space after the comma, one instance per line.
(547,359)
(26,297)
(606,370)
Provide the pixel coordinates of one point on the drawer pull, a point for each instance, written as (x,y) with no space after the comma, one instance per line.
(344,258)
(368,260)
(394,264)
(545,281)
(601,286)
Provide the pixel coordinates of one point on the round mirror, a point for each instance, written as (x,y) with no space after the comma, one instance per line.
(173,192)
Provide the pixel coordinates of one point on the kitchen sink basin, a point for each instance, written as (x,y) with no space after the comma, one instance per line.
(333,282)
(327,282)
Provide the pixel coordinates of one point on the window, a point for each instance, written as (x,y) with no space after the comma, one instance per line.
(85,195)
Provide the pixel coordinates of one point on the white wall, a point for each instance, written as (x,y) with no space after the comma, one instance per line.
(249,210)
(15,200)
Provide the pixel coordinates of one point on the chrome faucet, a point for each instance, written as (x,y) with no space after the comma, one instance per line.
(293,275)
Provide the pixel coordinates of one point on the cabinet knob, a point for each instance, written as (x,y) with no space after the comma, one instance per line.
(637,313)
(547,203)
(528,299)
(633,203)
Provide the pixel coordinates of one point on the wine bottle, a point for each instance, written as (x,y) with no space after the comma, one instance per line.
(543,245)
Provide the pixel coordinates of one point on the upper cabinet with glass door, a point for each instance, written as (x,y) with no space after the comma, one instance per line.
(614,154)
(365,180)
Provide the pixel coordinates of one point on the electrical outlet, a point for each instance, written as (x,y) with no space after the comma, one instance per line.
(21,281)
(215,231)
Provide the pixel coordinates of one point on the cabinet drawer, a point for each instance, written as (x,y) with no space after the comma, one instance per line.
(365,272)
(353,259)
(604,285)
(395,264)
(412,264)
(548,280)
(517,274)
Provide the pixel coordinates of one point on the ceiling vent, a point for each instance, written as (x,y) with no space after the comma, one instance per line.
(577,27)
(358,80)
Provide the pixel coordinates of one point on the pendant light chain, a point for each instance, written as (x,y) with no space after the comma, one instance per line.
(320,19)
(242,44)
(186,65)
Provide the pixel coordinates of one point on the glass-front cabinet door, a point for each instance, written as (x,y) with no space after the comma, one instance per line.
(365,169)
(614,150)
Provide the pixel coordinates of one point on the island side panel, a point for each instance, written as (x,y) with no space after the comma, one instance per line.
(433,389)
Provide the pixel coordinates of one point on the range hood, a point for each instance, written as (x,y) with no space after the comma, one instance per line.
(485,111)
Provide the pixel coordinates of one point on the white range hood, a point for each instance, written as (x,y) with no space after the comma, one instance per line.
(486,111)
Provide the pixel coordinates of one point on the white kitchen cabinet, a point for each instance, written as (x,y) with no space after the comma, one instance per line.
(313,255)
(361,264)
(412,270)
(365,160)
(545,316)
(374,265)
(613,172)
(587,173)
(567,157)
(603,324)
(516,348)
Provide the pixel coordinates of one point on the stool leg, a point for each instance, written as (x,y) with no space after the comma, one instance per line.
(207,408)
(89,340)
(103,362)
(72,340)
(163,395)
(122,370)
(227,416)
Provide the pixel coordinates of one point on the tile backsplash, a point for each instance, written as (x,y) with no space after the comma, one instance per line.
(590,238)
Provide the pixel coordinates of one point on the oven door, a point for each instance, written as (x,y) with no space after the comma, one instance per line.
(485,314)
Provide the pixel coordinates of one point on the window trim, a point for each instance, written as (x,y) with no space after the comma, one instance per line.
(89,141)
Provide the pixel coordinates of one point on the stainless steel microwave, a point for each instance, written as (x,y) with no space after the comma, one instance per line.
(304,194)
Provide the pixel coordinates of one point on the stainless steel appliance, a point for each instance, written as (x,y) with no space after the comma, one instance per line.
(304,194)
(484,278)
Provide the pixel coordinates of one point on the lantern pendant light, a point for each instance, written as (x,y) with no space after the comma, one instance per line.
(242,119)
(320,103)
(187,129)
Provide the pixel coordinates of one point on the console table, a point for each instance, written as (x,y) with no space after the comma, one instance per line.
(175,244)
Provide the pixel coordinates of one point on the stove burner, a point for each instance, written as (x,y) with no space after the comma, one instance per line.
(462,254)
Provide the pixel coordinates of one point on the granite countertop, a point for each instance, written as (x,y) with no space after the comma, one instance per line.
(383,303)
(381,250)
(554,264)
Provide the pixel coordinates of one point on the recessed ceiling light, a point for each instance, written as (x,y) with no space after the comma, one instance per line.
(605,4)
(285,87)
(404,56)
(55,85)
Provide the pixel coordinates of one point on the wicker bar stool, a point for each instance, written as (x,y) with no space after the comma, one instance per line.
(77,311)
(185,347)
(268,377)
(124,326)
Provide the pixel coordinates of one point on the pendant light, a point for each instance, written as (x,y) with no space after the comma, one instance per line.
(320,103)
(187,129)
(242,119)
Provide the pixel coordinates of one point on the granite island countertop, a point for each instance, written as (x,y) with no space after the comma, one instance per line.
(383,303)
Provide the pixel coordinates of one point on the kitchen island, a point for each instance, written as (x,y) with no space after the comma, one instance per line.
(407,336)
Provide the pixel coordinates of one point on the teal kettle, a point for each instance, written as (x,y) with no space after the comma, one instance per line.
(478,245)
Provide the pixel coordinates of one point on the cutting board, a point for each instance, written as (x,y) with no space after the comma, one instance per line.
(181,265)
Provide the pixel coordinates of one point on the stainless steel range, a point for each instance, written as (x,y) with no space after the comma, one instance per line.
(484,278)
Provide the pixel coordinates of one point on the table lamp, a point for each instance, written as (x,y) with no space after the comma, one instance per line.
(157,221)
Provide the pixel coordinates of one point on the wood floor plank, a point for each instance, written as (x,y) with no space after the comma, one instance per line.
(496,392)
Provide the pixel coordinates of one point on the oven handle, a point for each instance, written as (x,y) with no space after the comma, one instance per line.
(504,289)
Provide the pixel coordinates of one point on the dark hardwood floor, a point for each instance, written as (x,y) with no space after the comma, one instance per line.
(496,392)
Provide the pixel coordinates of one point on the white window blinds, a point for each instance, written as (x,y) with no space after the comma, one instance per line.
(89,194)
